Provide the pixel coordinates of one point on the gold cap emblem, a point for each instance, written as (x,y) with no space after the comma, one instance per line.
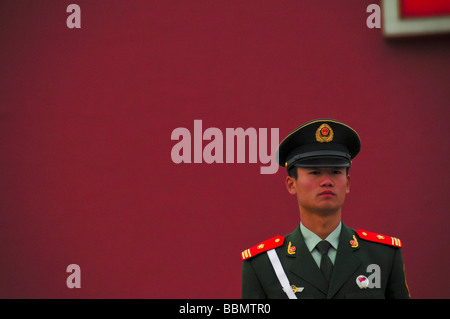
(324,134)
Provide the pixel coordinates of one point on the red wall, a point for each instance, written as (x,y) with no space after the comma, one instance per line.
(86,117)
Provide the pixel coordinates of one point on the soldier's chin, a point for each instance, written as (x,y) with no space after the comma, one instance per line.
(327,211)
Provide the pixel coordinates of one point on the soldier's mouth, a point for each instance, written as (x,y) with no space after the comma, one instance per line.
(327,193)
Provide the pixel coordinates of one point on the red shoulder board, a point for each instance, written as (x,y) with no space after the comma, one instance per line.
(379,238)
(269,244)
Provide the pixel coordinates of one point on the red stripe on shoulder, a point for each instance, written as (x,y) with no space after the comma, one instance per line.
(379,238)
(266,245)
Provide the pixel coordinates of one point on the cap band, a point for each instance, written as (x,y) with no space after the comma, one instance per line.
(318,154)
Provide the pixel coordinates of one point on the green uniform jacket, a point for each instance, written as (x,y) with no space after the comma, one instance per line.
(260,281)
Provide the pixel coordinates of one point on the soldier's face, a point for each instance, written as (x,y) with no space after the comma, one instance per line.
(320,190)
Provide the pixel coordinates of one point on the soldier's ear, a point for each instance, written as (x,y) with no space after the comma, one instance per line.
(290,185)
(348,184)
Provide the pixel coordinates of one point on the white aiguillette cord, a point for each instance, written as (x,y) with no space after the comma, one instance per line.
(279,271)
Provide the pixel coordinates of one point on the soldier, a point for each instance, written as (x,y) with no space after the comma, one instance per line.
(322,257)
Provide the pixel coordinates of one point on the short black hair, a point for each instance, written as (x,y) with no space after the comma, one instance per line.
(292,172)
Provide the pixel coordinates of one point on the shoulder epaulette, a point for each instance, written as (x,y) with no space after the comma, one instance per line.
(379,238)
(266,245)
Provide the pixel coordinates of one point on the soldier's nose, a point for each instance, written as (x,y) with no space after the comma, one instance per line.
(326,181)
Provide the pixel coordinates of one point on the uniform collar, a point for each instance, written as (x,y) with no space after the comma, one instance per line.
(311,239)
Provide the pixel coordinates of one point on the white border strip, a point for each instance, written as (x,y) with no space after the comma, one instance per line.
(394,26)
